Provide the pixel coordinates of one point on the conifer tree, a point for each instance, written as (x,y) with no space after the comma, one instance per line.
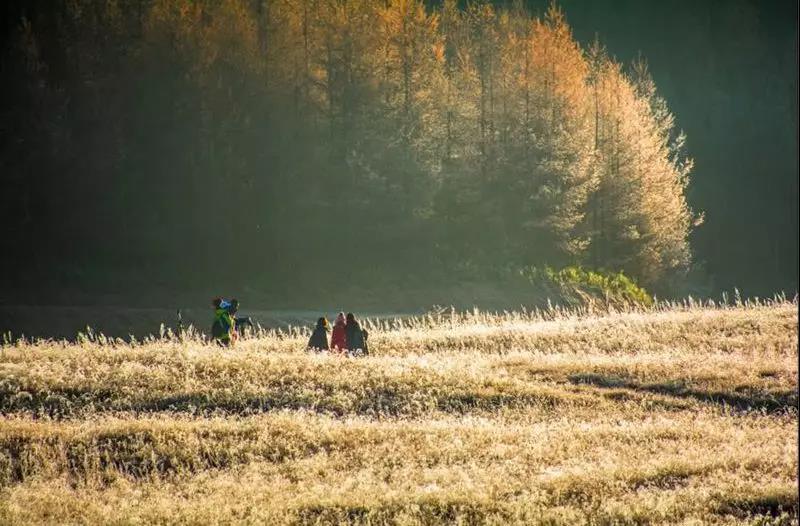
(477,134)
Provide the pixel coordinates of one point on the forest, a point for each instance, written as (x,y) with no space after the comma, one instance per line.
(299,144)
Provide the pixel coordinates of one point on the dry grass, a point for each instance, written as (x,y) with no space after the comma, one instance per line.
(675,415)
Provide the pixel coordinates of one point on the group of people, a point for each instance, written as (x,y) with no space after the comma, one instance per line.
(347,337)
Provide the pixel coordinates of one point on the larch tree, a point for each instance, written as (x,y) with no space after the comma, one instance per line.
(481,136)
(642,220)
(559,137)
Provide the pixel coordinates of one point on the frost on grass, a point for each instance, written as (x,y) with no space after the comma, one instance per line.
(682,413)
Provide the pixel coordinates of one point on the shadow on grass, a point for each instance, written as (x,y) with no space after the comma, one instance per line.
(429,511)
(771,402)
(775,504)
(139,455)
(375,401)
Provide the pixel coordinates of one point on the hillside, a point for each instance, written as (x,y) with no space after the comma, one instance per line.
(674,414)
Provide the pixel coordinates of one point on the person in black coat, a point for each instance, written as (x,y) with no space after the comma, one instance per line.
(319,338)
(356,337)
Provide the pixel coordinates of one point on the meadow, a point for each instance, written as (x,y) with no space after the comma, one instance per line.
(682,413)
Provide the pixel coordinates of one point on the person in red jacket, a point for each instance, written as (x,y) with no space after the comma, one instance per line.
(338,336)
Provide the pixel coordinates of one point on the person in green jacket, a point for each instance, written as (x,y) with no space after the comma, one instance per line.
(223,330)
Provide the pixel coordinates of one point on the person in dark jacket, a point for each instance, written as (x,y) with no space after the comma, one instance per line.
(356,337)
(319,338)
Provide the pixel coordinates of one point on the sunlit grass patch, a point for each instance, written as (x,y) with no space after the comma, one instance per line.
(513,419)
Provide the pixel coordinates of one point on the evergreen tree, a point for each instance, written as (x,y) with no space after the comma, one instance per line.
(479,135)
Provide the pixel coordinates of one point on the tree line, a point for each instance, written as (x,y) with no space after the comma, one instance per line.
(293,140)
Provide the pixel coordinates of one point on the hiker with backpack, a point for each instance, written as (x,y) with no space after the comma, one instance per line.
(356,337)
(319,338)
(223,330)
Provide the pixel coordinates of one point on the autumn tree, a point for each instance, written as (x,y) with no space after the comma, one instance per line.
(639,213)
(423,138)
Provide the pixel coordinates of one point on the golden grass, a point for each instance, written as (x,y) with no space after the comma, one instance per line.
(683,415)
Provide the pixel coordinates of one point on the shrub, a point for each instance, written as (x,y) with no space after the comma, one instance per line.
(575,282)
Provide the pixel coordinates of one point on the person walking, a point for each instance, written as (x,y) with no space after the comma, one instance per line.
(338,337)
(223,330)
(319,338)
(356,337)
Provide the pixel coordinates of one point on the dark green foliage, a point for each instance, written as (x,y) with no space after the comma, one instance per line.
(610,287)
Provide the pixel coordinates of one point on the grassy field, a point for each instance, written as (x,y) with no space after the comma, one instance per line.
(684,414)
